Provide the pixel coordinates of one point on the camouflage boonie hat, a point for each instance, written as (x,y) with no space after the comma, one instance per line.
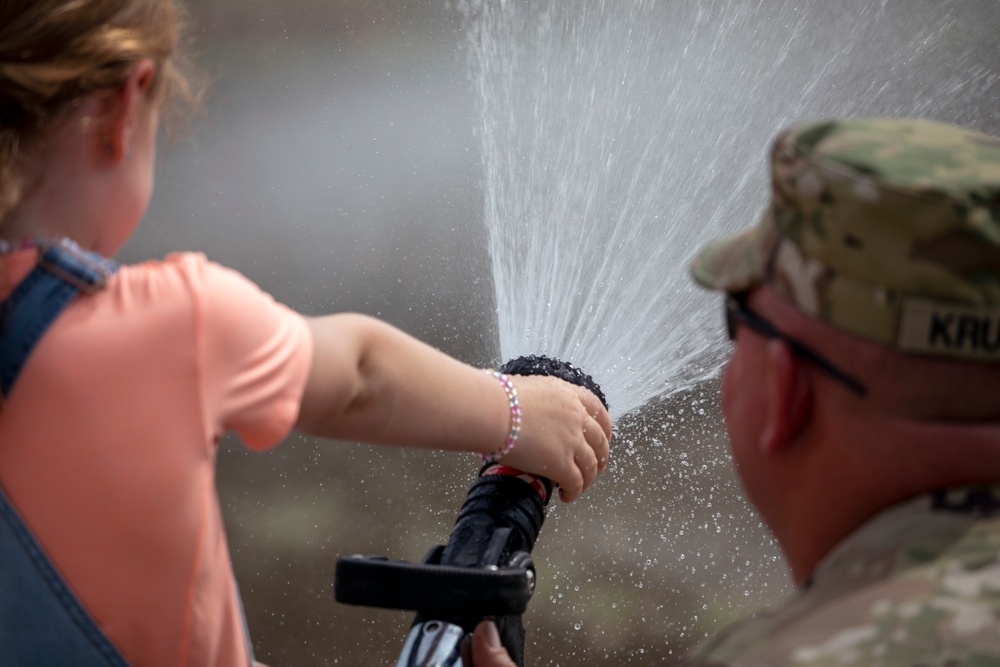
(886,228)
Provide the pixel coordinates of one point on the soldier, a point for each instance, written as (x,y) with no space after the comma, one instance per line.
(862,397)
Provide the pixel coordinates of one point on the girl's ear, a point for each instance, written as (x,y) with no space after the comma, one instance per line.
(123,111)
(789,398)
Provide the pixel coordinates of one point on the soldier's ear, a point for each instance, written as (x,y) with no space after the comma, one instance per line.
(788,393)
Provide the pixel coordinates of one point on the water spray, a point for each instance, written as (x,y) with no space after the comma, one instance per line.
(484,571)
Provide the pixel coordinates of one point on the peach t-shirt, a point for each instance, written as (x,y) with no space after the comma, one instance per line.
(108,445)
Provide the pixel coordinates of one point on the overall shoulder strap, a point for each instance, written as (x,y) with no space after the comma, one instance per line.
(63,271)
(41,620)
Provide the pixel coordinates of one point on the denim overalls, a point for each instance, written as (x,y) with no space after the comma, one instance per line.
(42,624)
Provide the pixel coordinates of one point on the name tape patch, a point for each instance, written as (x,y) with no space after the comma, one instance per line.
(948,330)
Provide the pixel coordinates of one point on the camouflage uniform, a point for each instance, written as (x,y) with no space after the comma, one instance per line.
(888,229)
(919,585)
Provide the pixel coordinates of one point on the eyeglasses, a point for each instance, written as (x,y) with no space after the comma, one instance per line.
(737,313)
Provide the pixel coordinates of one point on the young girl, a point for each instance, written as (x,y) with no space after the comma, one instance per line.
(117,382)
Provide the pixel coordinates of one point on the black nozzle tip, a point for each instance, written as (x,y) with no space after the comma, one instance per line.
(542,365)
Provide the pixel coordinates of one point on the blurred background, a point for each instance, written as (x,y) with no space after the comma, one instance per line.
(338,164)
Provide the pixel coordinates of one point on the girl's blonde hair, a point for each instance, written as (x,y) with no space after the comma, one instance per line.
(55,52)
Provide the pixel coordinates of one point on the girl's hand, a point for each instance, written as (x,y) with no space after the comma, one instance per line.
(564,435)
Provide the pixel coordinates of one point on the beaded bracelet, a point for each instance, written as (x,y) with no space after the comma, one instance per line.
(515,417)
